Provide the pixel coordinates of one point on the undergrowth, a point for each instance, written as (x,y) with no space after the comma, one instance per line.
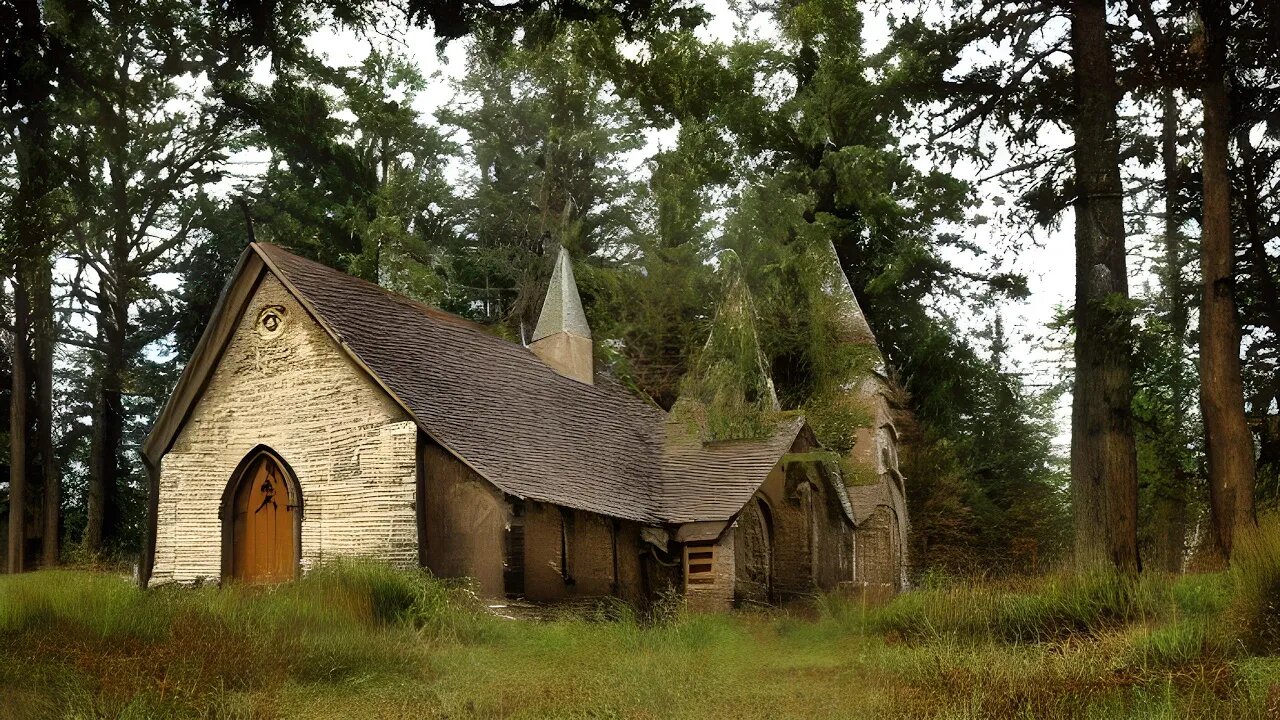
(361,640)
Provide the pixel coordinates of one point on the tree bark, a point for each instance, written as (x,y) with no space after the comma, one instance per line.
(1228,442)
(44,329)
(18,426)
(108,420)
(1104,472)
(33,88)
(1171,500)
(113,325)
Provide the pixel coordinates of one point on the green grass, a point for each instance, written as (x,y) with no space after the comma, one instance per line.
(361,640)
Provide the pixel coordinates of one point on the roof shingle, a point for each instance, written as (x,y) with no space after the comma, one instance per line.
(523,427)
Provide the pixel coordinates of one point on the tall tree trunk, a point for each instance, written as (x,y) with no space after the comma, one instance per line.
(1104,471)
(108,431)
(1228,442)
(96,489)
(44,328)
(113,333)
(16,560)
(1171,501)
(33,85)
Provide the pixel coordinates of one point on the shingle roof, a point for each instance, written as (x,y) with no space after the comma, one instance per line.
(709,481)
(526,429)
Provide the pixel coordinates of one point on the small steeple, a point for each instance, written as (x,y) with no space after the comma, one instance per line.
(853,324)
(728,392)
(562,338)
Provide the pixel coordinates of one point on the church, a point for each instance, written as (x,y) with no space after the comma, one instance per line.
(322,417)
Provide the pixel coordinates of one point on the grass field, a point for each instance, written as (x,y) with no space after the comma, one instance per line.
(360,640)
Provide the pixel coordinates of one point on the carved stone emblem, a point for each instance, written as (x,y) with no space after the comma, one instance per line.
(271,322)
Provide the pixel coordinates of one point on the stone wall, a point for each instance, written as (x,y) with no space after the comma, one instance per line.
(793,539)
(879,550)
(544,571)
(282,382)
(711,591)
(591,555)
(753,554)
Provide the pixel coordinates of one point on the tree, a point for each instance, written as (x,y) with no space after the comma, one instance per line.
(548,141)
(29,232)
(366,194)
(998,111)
(144,142)
(1104,469)
(1228,442)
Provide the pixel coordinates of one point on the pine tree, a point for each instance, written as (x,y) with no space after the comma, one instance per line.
(144,140)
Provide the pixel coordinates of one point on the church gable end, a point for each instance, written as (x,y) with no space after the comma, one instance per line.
(283,383)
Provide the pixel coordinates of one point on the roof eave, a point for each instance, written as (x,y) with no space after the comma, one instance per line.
(208,351)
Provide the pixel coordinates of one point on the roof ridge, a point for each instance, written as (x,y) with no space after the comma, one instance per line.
(439,313)
(393,295)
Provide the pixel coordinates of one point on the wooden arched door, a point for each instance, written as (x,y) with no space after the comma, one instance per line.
(264,523)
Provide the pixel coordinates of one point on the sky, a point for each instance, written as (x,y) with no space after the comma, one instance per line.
(1047,260)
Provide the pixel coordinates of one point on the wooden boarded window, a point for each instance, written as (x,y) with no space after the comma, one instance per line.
(699,563)
(566,546)
(513,560)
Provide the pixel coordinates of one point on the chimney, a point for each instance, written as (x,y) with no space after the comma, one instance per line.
(562,338)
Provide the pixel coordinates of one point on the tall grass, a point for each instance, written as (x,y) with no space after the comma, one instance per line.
(1255,576)
(361,640)
(169,650)
(1049,609)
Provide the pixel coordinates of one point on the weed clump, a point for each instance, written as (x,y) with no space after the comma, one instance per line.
(1050,609)
(1255,579)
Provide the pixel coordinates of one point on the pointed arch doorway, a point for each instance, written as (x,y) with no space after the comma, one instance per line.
(261,521)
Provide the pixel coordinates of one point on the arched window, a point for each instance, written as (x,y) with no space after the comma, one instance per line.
(753,551)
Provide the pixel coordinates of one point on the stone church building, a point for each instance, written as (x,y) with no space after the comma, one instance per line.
(322,416)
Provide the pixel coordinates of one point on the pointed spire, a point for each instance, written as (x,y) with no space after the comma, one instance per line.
(562,309)
(728,394)
(853,324)
(734,340)
(562,338)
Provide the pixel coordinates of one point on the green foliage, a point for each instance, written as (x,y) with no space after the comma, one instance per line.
(989,498)
(1169,439)
(138,142)
(357,175)
(1049,609)
(728,393)
(546,145)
